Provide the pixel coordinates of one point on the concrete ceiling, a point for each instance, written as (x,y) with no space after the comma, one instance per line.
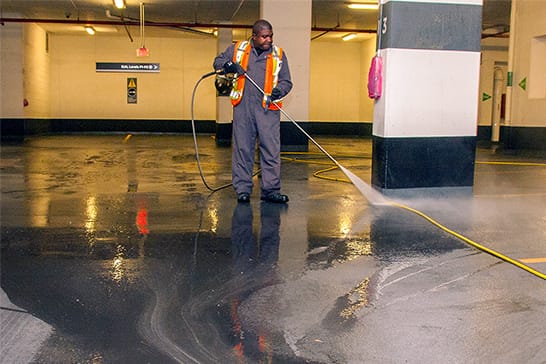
(330,18)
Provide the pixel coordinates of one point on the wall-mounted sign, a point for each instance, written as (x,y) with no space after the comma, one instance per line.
(126,67)
(523,84)
(131,90)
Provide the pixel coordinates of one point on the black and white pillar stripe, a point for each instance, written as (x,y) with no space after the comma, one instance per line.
(424,131)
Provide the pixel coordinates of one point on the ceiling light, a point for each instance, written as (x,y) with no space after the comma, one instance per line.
(349,36)
(90,30)
(120,4)
(363,6)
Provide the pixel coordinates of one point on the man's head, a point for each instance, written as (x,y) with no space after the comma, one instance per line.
(262,34)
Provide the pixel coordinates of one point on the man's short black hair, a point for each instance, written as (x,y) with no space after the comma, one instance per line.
(261,24)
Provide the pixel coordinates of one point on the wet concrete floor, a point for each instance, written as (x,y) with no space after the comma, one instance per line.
(114,242)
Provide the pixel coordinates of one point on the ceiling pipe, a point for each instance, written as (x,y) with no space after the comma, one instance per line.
(188,26)
(151,23)
(163,24)
(237,10)
(114,23)
(122,19)
(505,34)
(343,30)
(324,32)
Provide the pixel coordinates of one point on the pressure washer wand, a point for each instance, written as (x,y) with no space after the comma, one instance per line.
(294,122)
(374,197)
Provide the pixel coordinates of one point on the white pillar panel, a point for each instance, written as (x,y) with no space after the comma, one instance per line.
(428,93)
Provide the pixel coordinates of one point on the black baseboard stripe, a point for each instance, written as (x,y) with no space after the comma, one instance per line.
(533,138)
(423,162)
(223,134)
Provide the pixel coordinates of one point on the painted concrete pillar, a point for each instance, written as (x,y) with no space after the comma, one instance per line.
(224,110)
(12,113)
(11,72)
(497,101)
(424,131)
(291,22)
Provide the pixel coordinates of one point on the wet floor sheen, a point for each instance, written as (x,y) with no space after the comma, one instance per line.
(115,242)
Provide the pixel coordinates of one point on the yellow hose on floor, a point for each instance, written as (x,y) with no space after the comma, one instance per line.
(471,242)
(428,218)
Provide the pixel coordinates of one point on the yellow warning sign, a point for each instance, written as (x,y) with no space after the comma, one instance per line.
(131,90)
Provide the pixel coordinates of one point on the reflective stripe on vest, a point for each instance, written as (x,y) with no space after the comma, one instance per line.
(272,69)
(240,56)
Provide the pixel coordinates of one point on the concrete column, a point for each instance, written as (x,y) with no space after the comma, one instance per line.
(11,72)
(224,110)
(424,131)
(12,122)
(291,22)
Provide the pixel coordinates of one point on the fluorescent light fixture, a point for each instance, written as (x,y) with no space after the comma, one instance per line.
(120,4)
(363,6)
(90,30)
(349,36)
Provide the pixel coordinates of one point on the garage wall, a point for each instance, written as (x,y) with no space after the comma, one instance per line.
(528,99)
(78,91)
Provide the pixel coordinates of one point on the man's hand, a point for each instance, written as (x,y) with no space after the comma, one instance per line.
(276,94)
(230,67)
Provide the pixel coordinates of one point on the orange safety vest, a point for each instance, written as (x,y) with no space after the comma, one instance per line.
(272,68)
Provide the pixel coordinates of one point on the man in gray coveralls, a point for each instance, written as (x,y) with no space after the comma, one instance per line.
(255,116)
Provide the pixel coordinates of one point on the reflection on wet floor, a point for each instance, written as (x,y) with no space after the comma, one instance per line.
(116,243)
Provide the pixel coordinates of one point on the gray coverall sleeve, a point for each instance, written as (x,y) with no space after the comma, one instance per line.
(285,81)
(223,57)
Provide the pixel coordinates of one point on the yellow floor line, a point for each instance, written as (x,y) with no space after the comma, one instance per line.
(512,163)
(533,260)
(511,195)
